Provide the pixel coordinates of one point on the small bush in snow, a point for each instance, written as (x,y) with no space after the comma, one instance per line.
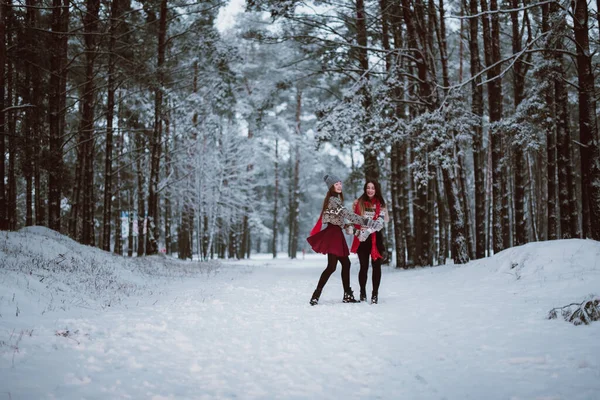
(579,313)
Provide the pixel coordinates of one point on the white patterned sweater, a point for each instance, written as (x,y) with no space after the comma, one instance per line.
(336,213)
(364,232)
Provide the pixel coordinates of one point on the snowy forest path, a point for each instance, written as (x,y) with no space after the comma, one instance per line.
(247,331)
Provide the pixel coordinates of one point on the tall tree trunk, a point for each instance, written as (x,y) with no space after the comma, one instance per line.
(291,219)
(396,189)
(10,120)
(28,126)
(531,197)
(491,36)
(37,109)
(119,239)
(549,124)
(142,224)
(3,61)
(421,232)
(130,241)
(371,166)
(431,217)
(156,145)
(464,199)
(441,201)
(276,199)
(519,162)
(458,238)
(296,180)
(406,202)
(588,127)
(86,141)
(440,29)
(168,207)
(186,226)
(55,116)
(3,202)
(110,105)
(399,186)
(564,166)
(478,150)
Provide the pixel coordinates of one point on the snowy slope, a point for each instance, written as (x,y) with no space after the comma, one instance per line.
(244,329)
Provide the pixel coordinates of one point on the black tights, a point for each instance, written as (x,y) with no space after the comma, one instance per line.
(364,254)
(331,265)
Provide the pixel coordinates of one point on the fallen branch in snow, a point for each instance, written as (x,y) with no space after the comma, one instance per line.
(13,342)
(579,313)
(68,334)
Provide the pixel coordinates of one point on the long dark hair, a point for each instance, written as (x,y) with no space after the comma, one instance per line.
(363,198)
(330,193)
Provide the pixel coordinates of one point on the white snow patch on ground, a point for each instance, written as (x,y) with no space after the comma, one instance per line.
(158,328)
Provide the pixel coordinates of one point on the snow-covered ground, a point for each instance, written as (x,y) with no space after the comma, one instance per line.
(78,323)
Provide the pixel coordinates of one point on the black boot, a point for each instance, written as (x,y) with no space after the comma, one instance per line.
(374,298)
(363,295)
(349,296)
(314,300)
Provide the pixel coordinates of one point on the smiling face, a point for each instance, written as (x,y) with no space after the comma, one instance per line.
(370,190)
(338,187)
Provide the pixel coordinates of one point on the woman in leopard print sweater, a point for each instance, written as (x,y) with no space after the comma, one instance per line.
(331,240)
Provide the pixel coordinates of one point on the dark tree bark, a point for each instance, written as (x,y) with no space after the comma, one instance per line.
(84,213)
(371,166)
(110,106)
(3,202)
(168,214)
(569,218)
(478,150)
(156,143)
(141,204)
(442,220)
(130,239)
(56,113)
(491,36)
(588,127)
(400,183)
(549,125)
(36,115)
(119,149)
(186,225)
(519,71)
(396,191)
(422,228)
(10,120)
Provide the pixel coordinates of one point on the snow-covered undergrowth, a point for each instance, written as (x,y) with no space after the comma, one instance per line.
(77,322)
(42,271)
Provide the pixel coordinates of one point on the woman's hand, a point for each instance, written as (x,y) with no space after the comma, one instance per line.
(349,228)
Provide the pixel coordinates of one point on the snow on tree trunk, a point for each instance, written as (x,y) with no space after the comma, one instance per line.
(458,239)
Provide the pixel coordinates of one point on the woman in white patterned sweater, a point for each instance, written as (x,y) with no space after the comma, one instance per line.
(368,243)
(331,240)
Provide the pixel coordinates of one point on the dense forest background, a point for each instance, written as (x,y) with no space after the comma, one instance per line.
(144,126)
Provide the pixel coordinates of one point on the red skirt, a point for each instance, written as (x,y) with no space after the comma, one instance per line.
(330,240)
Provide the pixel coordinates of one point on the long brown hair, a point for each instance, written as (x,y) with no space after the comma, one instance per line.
(364,197)
(331,192)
